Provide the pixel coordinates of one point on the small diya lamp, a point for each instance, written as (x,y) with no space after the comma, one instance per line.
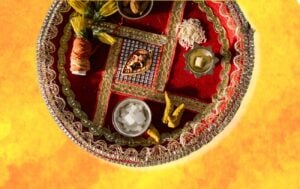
(200,61)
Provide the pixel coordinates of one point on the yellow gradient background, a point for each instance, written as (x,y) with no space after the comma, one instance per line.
(260,148)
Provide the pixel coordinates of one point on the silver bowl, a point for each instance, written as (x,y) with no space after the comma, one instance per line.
(121,127)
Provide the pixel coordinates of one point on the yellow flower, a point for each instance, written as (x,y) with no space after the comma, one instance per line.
(78,23)
(109,8)
(78,6)
(106,38)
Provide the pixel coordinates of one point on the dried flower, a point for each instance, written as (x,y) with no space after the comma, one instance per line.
(106,38)
(109,8)
(78,6)
(79,24)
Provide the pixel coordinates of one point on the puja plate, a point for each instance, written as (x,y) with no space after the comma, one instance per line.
(82,106)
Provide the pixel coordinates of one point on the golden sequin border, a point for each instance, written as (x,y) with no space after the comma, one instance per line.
(169,48)
(132,33)
(105,86)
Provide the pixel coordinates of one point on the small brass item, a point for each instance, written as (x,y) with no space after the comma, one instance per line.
(200,61)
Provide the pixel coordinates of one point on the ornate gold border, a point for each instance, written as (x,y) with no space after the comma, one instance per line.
(107,83)
(169,48)
(132,33)
(103,96)
(190,104)
(96,128)
(226,56)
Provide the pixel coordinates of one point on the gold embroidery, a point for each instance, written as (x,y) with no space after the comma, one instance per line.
(132,33)
(169,48)
(226,56)
(191,104)
(103,98)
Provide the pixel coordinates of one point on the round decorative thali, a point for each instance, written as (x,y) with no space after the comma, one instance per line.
(149,61)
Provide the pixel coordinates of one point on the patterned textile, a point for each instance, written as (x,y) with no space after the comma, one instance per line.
(148,78)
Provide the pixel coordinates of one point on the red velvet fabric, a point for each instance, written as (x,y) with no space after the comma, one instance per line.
(86,88)
(157,110)
(155,22)
(181,81)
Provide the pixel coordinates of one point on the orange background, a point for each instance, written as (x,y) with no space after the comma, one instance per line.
(259,149)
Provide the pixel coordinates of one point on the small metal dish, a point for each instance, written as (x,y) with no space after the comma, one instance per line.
(132,16)
(121,127)
(207,64)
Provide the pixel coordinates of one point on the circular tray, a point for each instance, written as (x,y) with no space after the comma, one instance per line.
(82,106)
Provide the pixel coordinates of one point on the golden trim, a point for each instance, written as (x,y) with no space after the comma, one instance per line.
(226,56)
(169,48)
(94,128)
(191,104)
(132,33)
(103,97)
